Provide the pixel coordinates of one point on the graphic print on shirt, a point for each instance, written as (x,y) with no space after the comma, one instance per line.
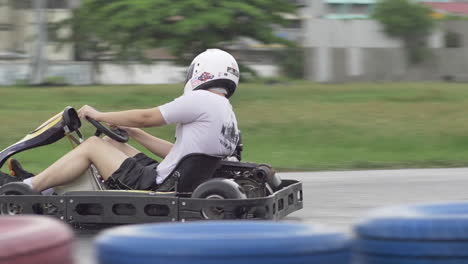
(229,134)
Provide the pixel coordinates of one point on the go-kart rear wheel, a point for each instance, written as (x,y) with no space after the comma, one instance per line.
(217,189)
(213,212)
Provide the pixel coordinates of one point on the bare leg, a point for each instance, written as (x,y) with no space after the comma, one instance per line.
(94,150)
(123,147)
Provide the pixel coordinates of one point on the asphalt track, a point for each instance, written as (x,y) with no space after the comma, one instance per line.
(338,199)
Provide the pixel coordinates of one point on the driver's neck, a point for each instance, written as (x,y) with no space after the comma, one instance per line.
(216,92)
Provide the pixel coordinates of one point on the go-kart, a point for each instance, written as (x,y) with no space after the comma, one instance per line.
(200,187)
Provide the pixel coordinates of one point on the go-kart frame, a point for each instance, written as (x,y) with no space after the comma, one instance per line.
(129,207)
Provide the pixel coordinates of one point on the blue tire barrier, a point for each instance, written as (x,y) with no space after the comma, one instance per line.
(35,239)
(223,242)
(412,248)
(426,233)
(372,259)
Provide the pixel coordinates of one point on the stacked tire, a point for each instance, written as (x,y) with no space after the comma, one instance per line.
(35,239)
(222,243)
(417,234)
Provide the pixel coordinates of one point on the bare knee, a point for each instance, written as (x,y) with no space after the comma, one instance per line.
(91,146)
(123,147)
(94,140)
(91,142)
(111,141)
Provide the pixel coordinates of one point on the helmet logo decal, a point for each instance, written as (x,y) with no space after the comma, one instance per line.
(233,71)
(202,78)
(205,77)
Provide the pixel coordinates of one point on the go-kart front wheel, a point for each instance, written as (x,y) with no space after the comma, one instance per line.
(217,189)
(14,188)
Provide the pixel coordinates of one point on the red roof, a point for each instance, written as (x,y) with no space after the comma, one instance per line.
(458,8)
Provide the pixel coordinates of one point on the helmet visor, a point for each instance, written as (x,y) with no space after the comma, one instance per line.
(190,72)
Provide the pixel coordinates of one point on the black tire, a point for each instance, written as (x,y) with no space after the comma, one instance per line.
(17,188)
(217,189)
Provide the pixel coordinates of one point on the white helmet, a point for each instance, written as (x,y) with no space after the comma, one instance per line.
(213,68)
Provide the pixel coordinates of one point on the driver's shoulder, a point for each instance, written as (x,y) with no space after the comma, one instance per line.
(202,97)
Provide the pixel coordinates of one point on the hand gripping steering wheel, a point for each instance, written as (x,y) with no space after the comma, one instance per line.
(119,135)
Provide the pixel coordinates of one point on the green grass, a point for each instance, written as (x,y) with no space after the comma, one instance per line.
(294,126)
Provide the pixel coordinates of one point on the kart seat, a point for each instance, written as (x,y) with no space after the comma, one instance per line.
(191,171)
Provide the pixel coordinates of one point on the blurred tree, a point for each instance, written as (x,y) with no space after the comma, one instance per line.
(124,29)
(409,21)
(292,62)
(86,37)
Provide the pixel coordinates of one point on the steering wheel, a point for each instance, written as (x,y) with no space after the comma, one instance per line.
(119,135)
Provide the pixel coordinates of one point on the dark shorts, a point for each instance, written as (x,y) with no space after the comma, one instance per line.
(135,173)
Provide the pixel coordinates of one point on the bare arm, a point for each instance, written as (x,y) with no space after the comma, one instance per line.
(131,118)
(158,146)
(134,119)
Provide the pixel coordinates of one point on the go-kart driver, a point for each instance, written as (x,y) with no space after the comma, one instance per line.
(205,122)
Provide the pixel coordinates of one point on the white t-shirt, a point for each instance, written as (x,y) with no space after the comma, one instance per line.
(205,124)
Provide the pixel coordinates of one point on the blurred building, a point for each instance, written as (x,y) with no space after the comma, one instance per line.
(358,9)
(17,29)
(18,35)
(442,9)
(340,40)
(342,44)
